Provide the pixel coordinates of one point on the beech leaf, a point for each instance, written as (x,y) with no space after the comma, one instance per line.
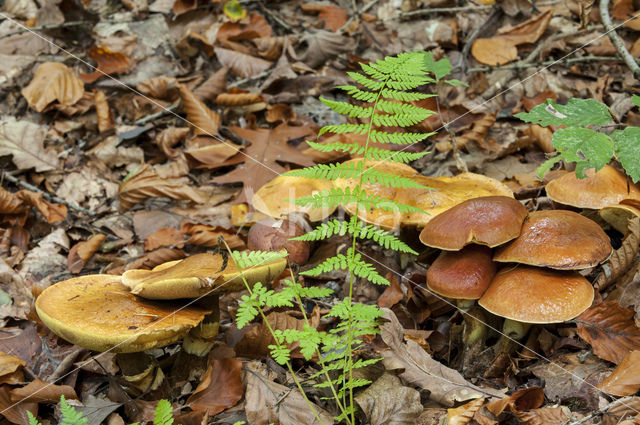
(625,379)
(622,258)
(53,81)
(203,120)
(81,252)
(388,402)
(462,415)
(24,141)
(220,388)
(241,64)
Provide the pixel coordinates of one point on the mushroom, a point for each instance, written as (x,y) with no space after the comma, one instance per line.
(273,235)
(618,216)
(488,220)
(526,295)
(599,189)
(202,276)
(557,239)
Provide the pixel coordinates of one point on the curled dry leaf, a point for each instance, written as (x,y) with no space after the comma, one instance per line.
(622,258)
(255,26)
(446,386)
(168,138)
(270,48)
(183,6)
(108,63)
(163,87)
(24,141)
(220,388)
(388,402)
(334,17)
(324,45)
(105,120)
(11,371)
(241,64)
(145,183)
(178,167)
(202,119)
(625,379)
(269,402)
(213,86)
(477,134)
(502,49)
(541,137)
(521,400)
(15,207)
(208,152)
(53,81)
(153,258)
(40,391)
(83,105)
(206,235)
(167,236)
(544,416)
(280,112)
(610,329)
(462,415)
(392,295)
(236,97)
(81,252)
(624,408)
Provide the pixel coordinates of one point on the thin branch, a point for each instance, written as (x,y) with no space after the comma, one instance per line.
(620,401)
(47,27)
(589,58)
(616,40)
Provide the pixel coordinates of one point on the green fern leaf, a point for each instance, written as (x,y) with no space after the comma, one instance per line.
(398,138)
(249,259)
(358,94)
(366,82)
(280,354)
(404,96)
(338,196)
(32,419)
(353,171)
(163,414)
(70,416)
(348,109)
(344,128)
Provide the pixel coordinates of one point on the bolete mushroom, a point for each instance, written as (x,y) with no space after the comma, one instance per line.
(608,186)
(526,295)
(487,220)
(557,239)
(618,216)
(273,235)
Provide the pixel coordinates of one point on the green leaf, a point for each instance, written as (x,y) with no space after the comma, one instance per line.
(70,416)
(577,112)
(587,148)
(163,414)
(627,147)
(438,68)
(32,419)
(635,99)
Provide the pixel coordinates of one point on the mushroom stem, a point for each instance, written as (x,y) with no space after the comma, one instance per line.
(475,330)
(512,331)
(201,338)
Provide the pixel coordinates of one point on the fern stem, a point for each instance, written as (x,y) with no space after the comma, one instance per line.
(277,343)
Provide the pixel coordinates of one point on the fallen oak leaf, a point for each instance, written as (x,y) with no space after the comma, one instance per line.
(610,329)
(145,183)
(53,81)
(625,379)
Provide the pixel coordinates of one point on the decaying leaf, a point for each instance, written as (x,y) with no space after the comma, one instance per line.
(53,81)
(544,416)
(477,134)
(622,258)
(15,207)
(269,402)
(203,120)
(324,45)
(213,86)
(625,379)
(388,402)
(446,386)
(280,112)
(168,138)
(235,97)
(105,120)
(610,329)
(24,141)
(167,236)
(521,400)
(11,369)
(41,391)
(241,64)
(392,294)
(144,183)
(81,252)
(206,235)
(108,63)
(462,415)
(205,151)
(164,88)
(256,26)
(220,388)
(334,17)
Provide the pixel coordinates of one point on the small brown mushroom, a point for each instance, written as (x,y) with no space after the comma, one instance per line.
(488,220)
(557,239)
(273,235)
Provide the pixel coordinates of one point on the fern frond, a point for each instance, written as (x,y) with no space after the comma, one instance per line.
(407,85)
(354,170)
(32,419)
(359,94)
(248,259)
(366,82)
(399,120)
(70,416)
(344,108)
(163,415)
(353,263)
(404,96)
(398,138)
(344,128)
(338,196)
(372,72)
(391,107)
(377,154)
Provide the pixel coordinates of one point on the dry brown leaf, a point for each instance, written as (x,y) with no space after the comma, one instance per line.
(462,415)
(51,212)
(388,402)
(501,49)
(15,412)
(153,258)
(324,45)
(41,391)
(184,6)
(545,416)
(280,112)
(521,400)
(477,134)
(622,258)
(334,17)
(241,64)
(206,235)
(610,329)
(268,402)
(24,141)
(236,97)
(203,120)
(53,81)
(446,386)
(625,379)
(145,183)
(108,63)
(220,387)
(205,151)
(628,408)
(81,252)
(392,295)
(83,105)
(213,86)
(270,48)
(623,10)
(9,365)
(168,138)
(105,120)
(163,87)
(255,342)
(542,137)
(254,26)
(530,102)
(167,236)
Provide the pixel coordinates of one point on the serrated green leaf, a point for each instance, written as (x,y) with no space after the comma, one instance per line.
(627,147)
(577,112)
(584,146)
(438,68)
(635,99)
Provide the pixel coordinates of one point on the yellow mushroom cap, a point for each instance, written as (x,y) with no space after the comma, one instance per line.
(99,313)
(537,295)
(195,276)
(271,199)
(606,187)
(618,216)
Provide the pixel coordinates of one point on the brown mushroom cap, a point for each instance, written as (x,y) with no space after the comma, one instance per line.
(195,276)
(99,313)
(606,187)
(536,295)
(463,275)
(488,220)
(557,239)
(444,193)
(273,235)
(618,216)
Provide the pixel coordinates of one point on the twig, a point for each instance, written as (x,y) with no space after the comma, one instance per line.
(276,18)
(157,115)
(252,78)
(47,27)
(589,58)
(47,195)
(421,12)
(600,411)
(616,40)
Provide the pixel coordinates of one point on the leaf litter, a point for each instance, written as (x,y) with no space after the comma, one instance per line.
(96,178)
